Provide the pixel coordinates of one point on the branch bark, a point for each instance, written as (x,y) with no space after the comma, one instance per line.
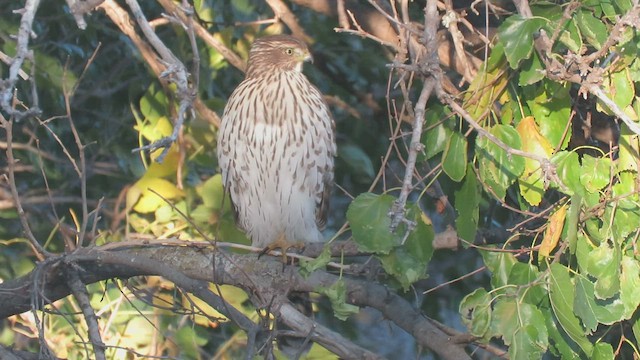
(264,280)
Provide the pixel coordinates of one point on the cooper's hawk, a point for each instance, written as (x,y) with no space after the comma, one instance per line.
(276,147)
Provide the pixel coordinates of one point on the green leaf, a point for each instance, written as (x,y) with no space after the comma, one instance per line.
(587,308)
(435,140)
(475,311)
(435,137)
(368,216)
(602,351)
(498,169)
(595,173)
(189,341)
(592,28)
(337,294)
(561,294)
(487,86)
(619,87)
(500,264)
(468,207)
(550,104)
(603,263)
(454,159)
(213,195)
(629,150)
(516,34)
(571,37)
(309,266)
(408,262)
(522,327)
(358,161)
(626,218)
(636,328)
(532,71)
(568,171)
(154,104)
(569,33)
(560,345)
(528,276)
(527,342)
(572,220)
(630,285)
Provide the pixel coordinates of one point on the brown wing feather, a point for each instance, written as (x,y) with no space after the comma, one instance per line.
(322,209)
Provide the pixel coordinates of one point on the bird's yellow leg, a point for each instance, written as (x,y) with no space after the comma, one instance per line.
(283,245)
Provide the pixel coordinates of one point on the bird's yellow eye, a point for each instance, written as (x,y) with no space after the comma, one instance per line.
(288,51)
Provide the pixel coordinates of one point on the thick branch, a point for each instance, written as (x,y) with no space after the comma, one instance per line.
(264,278)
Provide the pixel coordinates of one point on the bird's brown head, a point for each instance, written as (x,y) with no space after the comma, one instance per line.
(277,53)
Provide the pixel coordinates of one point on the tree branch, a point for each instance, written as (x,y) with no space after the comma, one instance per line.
(265,280)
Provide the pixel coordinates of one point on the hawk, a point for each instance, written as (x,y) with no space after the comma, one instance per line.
(276,148)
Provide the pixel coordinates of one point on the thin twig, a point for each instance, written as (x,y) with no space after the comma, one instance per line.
(8,85)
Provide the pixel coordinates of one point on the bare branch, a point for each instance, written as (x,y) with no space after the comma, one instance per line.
(430,70)
(79,291)
(282,12)
(40,252)
(8,85)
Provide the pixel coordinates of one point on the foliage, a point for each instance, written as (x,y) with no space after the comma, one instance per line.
(524,148)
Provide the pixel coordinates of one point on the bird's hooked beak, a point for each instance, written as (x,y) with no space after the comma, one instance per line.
(304,55)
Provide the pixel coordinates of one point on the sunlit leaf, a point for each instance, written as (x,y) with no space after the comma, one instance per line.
(592,28)
(553,231)
(602,351)
(550,104)
(628,152)
(486,88)
(531,182)
(498,170)
(516,33)
(619,87)
(147,187)
(595,173)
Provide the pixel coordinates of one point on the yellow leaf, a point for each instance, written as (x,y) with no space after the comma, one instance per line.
(553,232)
(133,194)
(484,90)
(232,295)
(169,164)
(157,130)
(531,181)
(425,218)
(148,201)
